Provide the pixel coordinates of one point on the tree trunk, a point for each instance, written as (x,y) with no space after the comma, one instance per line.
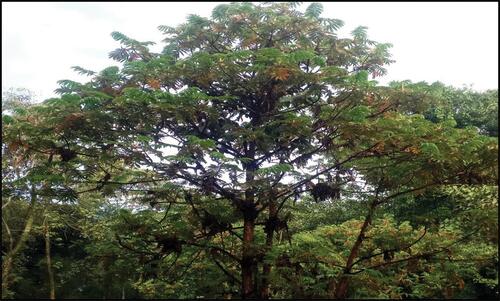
(249,215)
(343,284)
(247,263)
(266,269)
(9,257)
(107,284)
(6,265)
(49,260)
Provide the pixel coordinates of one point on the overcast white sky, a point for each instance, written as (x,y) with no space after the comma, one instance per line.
(455,43)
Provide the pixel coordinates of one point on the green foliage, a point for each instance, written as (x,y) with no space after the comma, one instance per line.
(277,168)
(189,173)
(314,10)
(320,254)
(441,103)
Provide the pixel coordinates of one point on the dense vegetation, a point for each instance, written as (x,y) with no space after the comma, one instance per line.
(253,157)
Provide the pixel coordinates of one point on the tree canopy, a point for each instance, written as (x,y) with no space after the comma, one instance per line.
(255,156)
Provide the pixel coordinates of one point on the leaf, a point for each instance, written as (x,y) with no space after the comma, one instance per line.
(154,83)
(7,119)
(450,122)
(197,20)
(91,102)
(333,24)
(319,61)
(20,111)
(203,143)
(278,168)
(143,138)
(430,148)
(314,10)
(83,71)
(280,73)
(67,86)
(118,36)
(219,12)
(217,155)
(120,55)
(361,76)
(359,113)
(166,29)
(301,55)
(245,160)
(359,33)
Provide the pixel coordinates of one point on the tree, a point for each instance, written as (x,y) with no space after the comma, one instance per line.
(240,114)
(12,167)
(437,102)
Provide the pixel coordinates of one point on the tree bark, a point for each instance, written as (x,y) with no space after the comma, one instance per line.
(249,215)
(247,262)
(343,284)
(6,266)
(9,257)
(50,274)
(266,269)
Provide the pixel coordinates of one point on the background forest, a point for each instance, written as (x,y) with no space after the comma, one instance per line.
(255,157)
